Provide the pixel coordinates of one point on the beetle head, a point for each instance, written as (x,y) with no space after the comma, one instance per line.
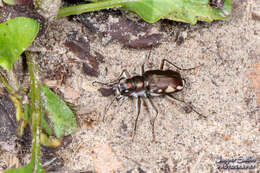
(124,87)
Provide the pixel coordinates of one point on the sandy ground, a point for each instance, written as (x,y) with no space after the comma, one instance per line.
(220,89)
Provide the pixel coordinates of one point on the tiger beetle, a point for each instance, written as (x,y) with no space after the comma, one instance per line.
(148,84)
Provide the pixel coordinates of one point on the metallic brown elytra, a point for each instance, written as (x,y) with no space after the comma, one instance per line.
(148,84)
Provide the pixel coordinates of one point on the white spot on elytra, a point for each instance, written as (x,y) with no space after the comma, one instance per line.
(160,90)
(179,87)
(169,89)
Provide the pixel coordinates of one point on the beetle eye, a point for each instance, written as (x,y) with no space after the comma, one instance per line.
(126,91)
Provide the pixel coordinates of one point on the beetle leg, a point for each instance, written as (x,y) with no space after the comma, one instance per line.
(172,97)
(125,73)
(142,70)
(152,121)
(165,60)
(142,67)
(138,107)
(179,68)
(162,64)
(149,54)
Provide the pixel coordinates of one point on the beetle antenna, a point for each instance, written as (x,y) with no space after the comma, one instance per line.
(124,99)
(109,84)
(172,97)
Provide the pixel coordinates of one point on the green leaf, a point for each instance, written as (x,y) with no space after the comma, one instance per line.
(45,126)
(189,11)
(62,118)
(197,10)
(15,36)
(30,168)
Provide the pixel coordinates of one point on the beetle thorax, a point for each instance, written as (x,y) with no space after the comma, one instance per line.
(134,86)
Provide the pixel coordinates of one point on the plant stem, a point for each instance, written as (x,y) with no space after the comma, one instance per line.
(36,106)
(82,8)
(6,84)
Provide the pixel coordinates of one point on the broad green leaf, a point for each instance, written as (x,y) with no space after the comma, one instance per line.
(45,126)
(180,10)
(62,118)
(15,36)
(30,168)
(192,12)
(189,11)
